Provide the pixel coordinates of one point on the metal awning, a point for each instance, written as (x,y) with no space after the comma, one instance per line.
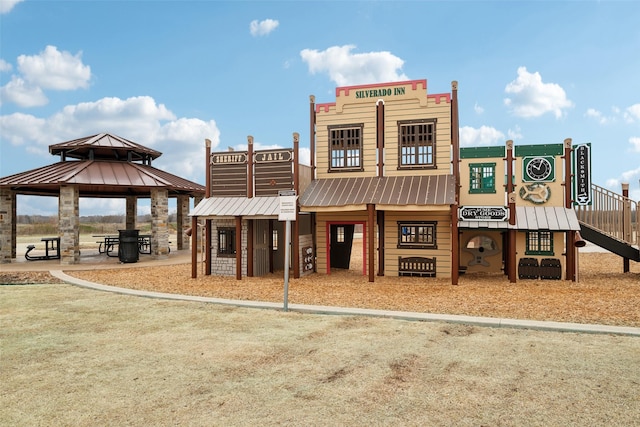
(384,192)
(532,218)
(260,207)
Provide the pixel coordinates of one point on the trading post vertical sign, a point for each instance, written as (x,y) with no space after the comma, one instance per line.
(582,174)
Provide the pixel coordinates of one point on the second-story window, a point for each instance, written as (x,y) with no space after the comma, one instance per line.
(416,144)
(345,148)
(482,178)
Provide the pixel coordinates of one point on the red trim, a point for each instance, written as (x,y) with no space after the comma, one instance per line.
(325,106)
(414,85)
(364,242)
(438,97)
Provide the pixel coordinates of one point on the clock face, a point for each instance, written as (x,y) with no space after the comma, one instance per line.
(539,168)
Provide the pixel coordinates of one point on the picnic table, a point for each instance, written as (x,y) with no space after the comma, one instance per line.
(51,249)
(109,243)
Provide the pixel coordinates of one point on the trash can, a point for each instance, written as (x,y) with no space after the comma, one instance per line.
(128,245)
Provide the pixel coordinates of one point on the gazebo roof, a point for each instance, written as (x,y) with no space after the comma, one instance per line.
(104,146)
(106,169)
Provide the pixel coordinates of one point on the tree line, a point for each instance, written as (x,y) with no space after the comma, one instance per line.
(89,219)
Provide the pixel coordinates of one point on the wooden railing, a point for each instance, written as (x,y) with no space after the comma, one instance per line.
(611,214)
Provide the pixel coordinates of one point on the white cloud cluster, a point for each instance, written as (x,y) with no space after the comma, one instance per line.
(531,97)
(50,69)
(7,5)
(346,68)
(632,114)
(140,119)
(635,143)
(485,135)
(262,28)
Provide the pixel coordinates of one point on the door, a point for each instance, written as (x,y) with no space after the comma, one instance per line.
(341,242)
(261,247)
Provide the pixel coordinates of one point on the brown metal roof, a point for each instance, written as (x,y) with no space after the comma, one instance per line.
(103,146)
(532,218)
(381,191)
(99,179)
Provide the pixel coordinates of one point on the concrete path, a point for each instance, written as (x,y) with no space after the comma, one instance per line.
(318,309)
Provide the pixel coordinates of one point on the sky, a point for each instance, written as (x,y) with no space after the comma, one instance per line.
(170,74)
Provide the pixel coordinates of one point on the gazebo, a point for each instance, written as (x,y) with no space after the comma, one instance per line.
(102,165)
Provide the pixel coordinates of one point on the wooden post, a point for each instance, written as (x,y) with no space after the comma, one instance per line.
(295,238)
(194,247)
(207,222)
(570,273)
(250,247)
(371,210)
(238,248)
(312,135)
(249,167)
(455,142)
(511,258)
(380,135)
(380,216)
(626,222)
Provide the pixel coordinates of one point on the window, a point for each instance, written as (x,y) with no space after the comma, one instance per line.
(226,242)
(417,144)
(340,234)
(539,243)
(274,240)
(421,235)
(482,178)
(345,147)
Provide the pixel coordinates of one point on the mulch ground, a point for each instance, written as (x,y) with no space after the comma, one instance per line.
(603,294)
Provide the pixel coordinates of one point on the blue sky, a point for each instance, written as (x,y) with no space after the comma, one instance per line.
(168,74)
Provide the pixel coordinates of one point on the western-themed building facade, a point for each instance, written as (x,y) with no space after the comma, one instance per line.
(386,158)
(386,165)
(242,235)
(381,157)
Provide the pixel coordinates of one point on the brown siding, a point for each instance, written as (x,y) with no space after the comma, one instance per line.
(443,240)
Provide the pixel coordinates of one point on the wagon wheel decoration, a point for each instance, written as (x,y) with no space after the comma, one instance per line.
(537,193)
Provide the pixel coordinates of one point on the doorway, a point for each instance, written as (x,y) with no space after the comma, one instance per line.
(340,246)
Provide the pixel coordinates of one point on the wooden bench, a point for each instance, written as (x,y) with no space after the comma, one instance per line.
(417,266)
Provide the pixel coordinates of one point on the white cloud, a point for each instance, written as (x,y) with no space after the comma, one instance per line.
(597,116)
(346,68)
(5,66)
(52,69)
(515,133)
(635,143)
(626,176)
(22,93)
(262,28)
(478,109)
(485,135)
(7,5)
(140,119)
(533,98)
(632,113)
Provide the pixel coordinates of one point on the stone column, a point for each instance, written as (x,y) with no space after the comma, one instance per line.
(132,213)
(8,221)
(159,223)
(183,222)
(69,224)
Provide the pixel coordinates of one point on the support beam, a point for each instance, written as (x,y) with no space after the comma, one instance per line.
(238,248)
(371,211)
(194,247)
